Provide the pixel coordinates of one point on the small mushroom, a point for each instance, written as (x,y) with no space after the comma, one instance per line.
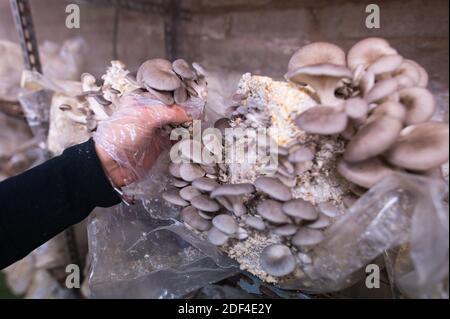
(317,53)
(190,216)
(368,51)
(376,136)
(271,210)
(365,174)
(420,104)
(356,108)
(157,74)
(237,203)
(165,97)
(299,208)
(216,237)
(273,187)
(205,184)
(324,120)
(285,230)
(190,172)
(180,95)
(179,183)
(421,147)
(322,222)
(386,64)
(302,154)
(225,223)
(381,90)
(307,237)
(233,190)
(224,202)
(255,222)
(277,260)
(173,197)
(189,192)
(182,68)
(391,109)
(423,81)
(204,203)
(328,209)
(407,75)
(323,78)
(174,170)
(301,168)
(241,234)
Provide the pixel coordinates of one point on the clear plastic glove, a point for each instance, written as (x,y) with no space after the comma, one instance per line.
(129,143)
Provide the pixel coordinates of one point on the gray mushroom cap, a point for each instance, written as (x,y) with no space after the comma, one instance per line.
(307,237)
(173,197)
(322,222)
(179,183)
(420,104)
(277,260)
(317,53)
(174,170)
(324,120)
(328,209)
(190,172)
(285,230)
(216,237)
(300,208)
(183,69)
(233,190)
(365,174)
(205,184)
(225,223)
(255,222)
(205,204)
(273,187)
(421,147)
(189,193)
(301,154)
(376,136)
(381,90)
(367,51)
(271,210)
(190,216)
(158,74)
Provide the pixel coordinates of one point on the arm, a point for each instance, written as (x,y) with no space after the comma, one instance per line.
(43,201)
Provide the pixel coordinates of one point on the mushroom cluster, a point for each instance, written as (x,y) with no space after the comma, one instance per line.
(378,101)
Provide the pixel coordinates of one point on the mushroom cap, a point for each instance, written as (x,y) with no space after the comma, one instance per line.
(306,237)
(324,120)
(420,104)
(407,74)
(277,260)
(216,237)
(179,183)
(183,69)
(285,230)
(381,90)
(174,170)
(158,74)
(273,187)
(180,95)
(173,197)
(255,222)
(310,74)
(386,64)
(233,190)
(373,138)
(272,211)
(190,216)
(328,209)
(391,109)
(421,147)
(189,192)
(317,53)
(300,208)
(225,223)
(367,51)
(205,184)
(205,204)
(165,97)
(321,222)
(300,168)
(190,172)
(356,108)
(301,154)
(365,174)
(423,82)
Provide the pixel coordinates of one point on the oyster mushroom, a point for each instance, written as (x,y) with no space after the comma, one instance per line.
(322,222)
(272,211)
(381,90)
(317,53)
(423,81)
(189,192)
(391,109)
(183,69)
(299,208)
(385,64)
(285,230)
(205,184)
(233,190)
(225,223)
(173,197)
(328,209)
(273,187)
(204,203)
(421,147)
(376,136)
(301,154)
(174,170)
(157,74)
(216,237)
(407,75)
(307,237)
(180,95)
(165,97)
(179,183)
(324,120)
(277,260)
(365,174)
(255,222)
(88,83)
(190,172)
(356,108)
(420,104)
(190,216)
(368,51)
(323,78)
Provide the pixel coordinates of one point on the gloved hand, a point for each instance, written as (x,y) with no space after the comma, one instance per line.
(129,143)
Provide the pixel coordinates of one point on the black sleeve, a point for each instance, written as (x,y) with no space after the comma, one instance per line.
(41,202)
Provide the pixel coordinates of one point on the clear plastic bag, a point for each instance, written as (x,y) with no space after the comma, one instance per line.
(403,217)
(134,255)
